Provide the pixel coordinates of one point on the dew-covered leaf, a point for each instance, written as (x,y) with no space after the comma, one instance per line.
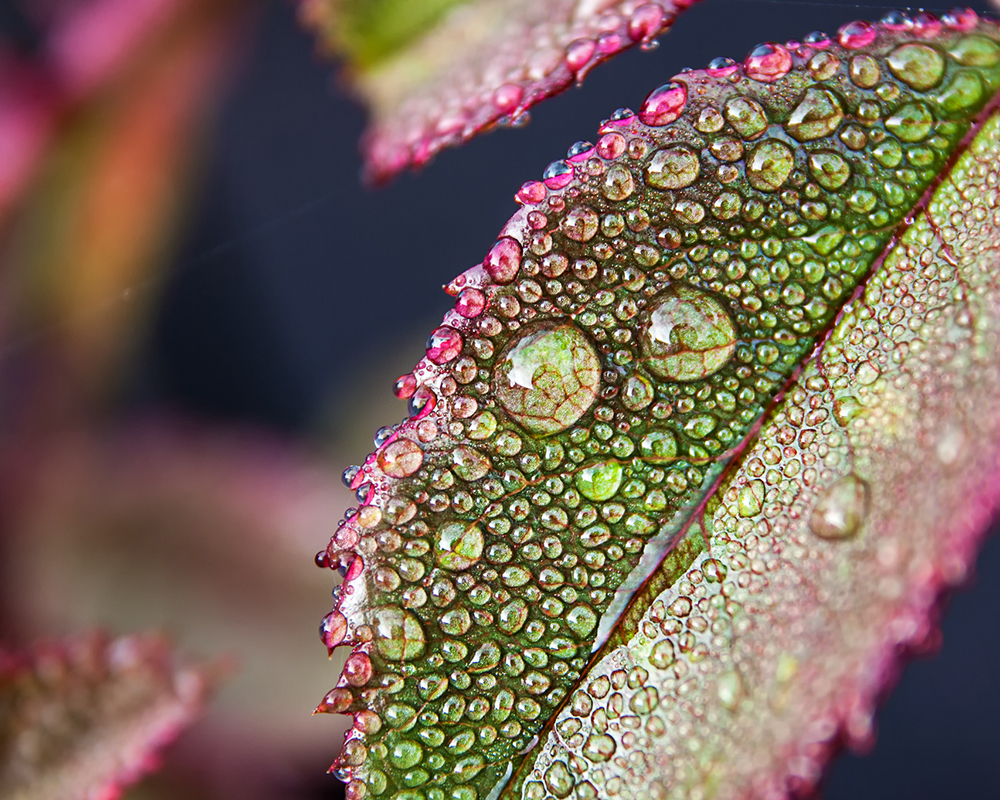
(437,73)
(86,718)
(629,395)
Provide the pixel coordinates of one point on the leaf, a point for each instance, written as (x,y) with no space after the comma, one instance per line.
(594,406)
(86,718)
(437,73)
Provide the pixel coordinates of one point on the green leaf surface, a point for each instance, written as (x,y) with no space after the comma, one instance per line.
(630,396)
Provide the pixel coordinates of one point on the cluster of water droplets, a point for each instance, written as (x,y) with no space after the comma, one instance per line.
(530,54)
(615,346)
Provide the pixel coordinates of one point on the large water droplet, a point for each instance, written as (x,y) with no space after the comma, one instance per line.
(398,634)
(841,509)
(688,335)
(459,545)
(673,168)
(401,458)
(768,62)
(664,105)
(829,170)
(547,379)
(770,164)
(504,260)
(855,35)
(818,114)
(747,116)
(919,66)
(912,122)
(599,482)
(580,223)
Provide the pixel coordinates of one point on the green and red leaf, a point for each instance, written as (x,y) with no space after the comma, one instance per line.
(708,431)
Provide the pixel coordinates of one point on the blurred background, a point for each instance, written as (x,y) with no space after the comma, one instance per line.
(201,314)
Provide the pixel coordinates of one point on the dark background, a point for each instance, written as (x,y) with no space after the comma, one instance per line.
(294,286)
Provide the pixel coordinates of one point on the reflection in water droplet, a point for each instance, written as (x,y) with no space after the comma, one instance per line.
(599,482)
(673,168)
(398,634)
(548,378)
(841,509)
(919,66)
(401,458)
(459,545)
(769,165)
(688,335)
(818,114)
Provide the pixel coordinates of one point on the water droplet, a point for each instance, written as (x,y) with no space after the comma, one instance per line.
(581,620)
(750,499)
(769,165)
(507,97)
(864,71)
(746,116)
(405,753)
(580,223)
(912,122)
(830,170)
(637,393)
(349,475)
(579,53)
(444,345)
(599,747)
(504,260)
(645,22)
(964,91)
(897,21)
(611,146)
(689,335)
(599,482)
(401,458)
(818,114)
(470,303)
(332,629)
(422,403)
(841,509)
(459,545)
(662,654)
(470,464)
(558,779)
(926,26)
(547,379)
(855,35)
(557,175)
(664,105)
(658,447)
(975,51)
(513,616)
(961,19)
(357,669)
(768,62)
(398,634)
(531,192)
(617,183)
(919,66)
(673,168)
(722,67)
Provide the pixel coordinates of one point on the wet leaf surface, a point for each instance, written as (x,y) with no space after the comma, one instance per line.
(439,73)
(595,401)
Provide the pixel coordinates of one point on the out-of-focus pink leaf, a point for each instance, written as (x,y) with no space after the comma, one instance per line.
(83,719)
(485,62)
(202,532)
